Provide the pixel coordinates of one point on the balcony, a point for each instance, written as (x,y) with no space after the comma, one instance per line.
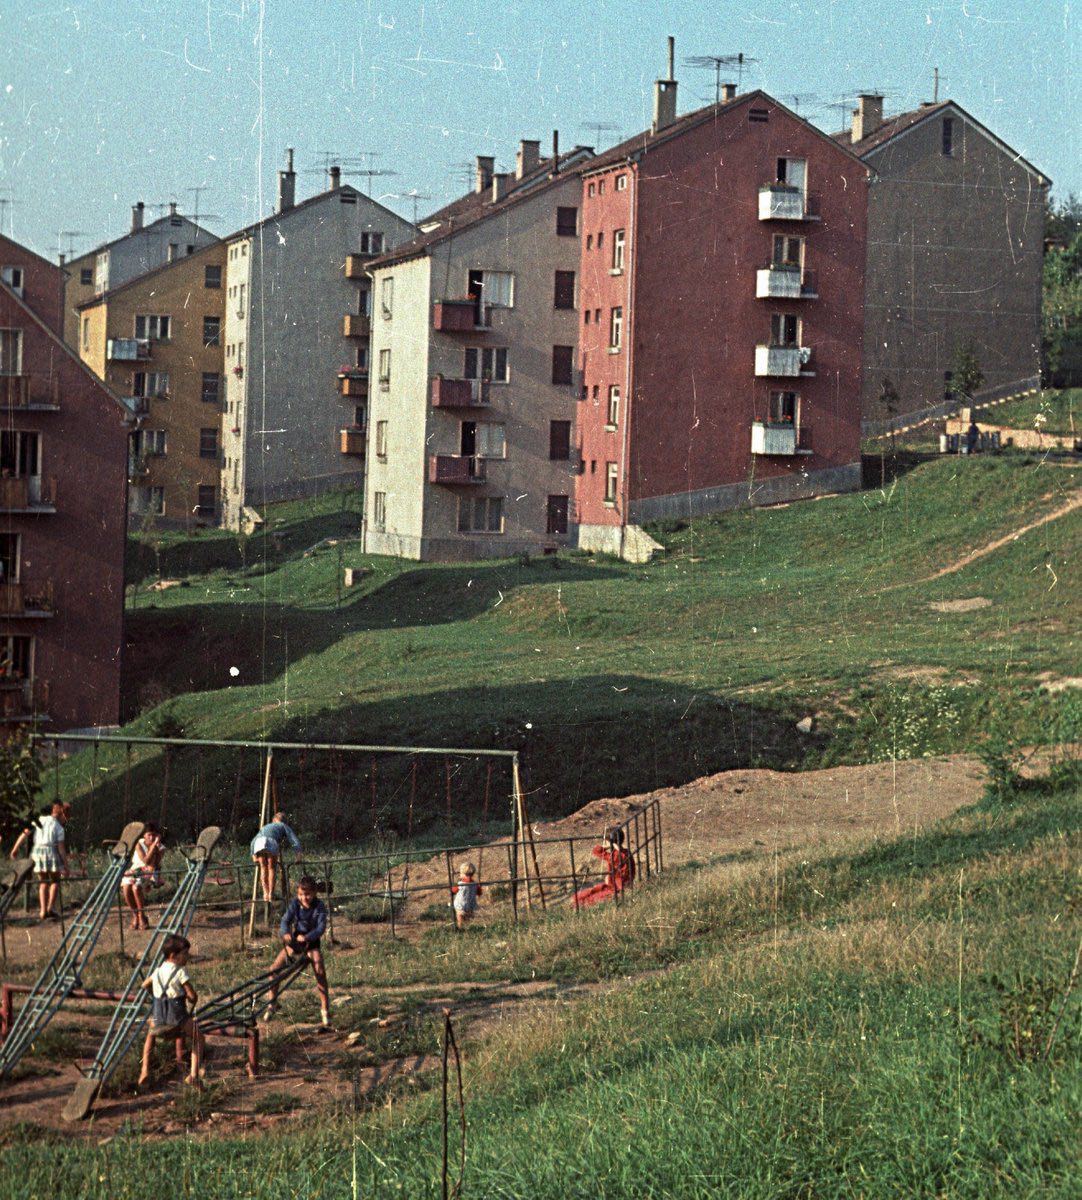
(459,393)
(458,316)
(351,440)
(357,265)
(127,349)
(356,325)
(15,394)
(27,494)
(453,469)
(140,405)
(780,202)
(780,439)
(785,283)
(138,468)
(26,600)
(783,360)
(353,381)
(23,700)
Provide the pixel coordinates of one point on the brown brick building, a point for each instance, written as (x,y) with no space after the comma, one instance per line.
(62,499)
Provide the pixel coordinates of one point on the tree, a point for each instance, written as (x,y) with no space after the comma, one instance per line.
(966,374)
(20,782)
(1062,311)
(1062,220)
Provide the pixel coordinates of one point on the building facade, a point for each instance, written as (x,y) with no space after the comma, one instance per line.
(955,253)
(472,410)
(62,502)
(721,318)
(143,248)
(296,345)
(158,342)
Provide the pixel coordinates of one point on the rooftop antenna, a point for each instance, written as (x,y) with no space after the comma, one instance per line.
(414,195)
(7,202)
(937,79)
(598,128)
(795,100)
(842,105)
(197,192)
(716,61)
(71,235)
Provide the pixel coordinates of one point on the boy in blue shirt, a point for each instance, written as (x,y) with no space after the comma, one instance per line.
(303,925)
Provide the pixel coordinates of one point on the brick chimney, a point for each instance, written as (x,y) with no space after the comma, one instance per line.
(485,167)
(499,186)
(728,92)
(528,158)
(137,216)
(867,116)
(336,177)
(665,94)
(287,184)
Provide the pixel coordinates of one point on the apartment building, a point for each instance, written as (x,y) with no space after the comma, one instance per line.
(955,253)
(62,499)
(296,344)
(143,248)
(471,429)
(722,287)
(158,342)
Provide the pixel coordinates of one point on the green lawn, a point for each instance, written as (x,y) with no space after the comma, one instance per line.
(1051,412)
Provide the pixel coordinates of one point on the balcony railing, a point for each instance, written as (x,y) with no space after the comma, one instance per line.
(781,202)
(783,360)
(357,265)
(16,393)
(784,282)
(356,325)
(23,699)
(351,440)
(353,382)
(459,316)
(455,469)
(27,493)
(127,349)
(780,439)
(459,393)
(26,600)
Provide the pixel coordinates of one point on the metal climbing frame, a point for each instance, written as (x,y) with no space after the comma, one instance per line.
(134,1007)
(238,1007)
(62,973)
(12,881)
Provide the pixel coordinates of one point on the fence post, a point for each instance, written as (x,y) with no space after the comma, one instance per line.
(390,897)
(574,875)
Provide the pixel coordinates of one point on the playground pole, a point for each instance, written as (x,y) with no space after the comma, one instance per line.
(264,817)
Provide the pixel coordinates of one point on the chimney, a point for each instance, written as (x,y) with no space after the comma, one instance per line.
(287,184)
(528,158)
(499,186)
(137,216)
(485,166)
(555,152)
(728,92)
(335,173)
(665,94)
(867,116)
(172,208)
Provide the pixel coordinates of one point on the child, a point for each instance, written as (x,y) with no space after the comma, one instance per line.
(143,872)
(266,849)
(174,1000)
(49,855)
(619,873)
(303,924)
(465,895)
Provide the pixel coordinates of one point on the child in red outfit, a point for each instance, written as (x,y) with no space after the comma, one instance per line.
(620,871)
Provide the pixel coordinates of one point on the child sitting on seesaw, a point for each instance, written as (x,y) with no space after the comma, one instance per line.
(465,895)
(172,993)
(303,925)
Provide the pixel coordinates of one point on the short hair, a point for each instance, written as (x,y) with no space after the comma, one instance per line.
(152,827)
(468,868)
(175,943)
(307,883)
(279,816)
(615,835)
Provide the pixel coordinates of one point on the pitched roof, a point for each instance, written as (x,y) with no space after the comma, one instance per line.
(130,234)
(286,213)
(136,280)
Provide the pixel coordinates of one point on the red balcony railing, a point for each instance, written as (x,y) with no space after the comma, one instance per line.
(20,392)
(459,393)
(455,469)
(457,316)
(351,440)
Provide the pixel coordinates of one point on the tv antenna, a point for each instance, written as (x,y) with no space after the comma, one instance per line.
(197,192)
(598,128)
(796,99)
(715,62)
(71,235)
(5,203)
(414,195)
(937,79)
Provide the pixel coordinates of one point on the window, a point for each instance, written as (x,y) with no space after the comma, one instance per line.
(563,362)
(586,316)
(212,275)
(564,292)
(9,558)
(618,250)
(788,251)
(611,476)
(212,331)
(149,501)
(597,316)
(784,330)
(948,136)
(480,514)
(362,357)
(386,297)
(360,416)
(11,351)
(208,442)
(381,440)
(793,172)
(385,369)
(559,440)
(488,362)
(240,300)
(556,515)
(16,656)
(761,115)
(371,243)
(596,393)
(189,249)
(601,187)
(20,454)
(379,510)
(152,328)
(208,500)
(782,408)
(498,289)
(86,333)
(212,387)
(491,440)
(567,222)
(86,276)
(150,383)
(152,443)
(612,416)
(13,277)
(589,241)
(601,239)
(590,189)
(616,328)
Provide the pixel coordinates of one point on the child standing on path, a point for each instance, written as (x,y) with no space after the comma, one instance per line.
(465,895)
(171,989)
(266,850)
(49,855)
(303,925)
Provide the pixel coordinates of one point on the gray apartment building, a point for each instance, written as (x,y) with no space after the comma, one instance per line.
(296,345)
(955,243)
(471,434)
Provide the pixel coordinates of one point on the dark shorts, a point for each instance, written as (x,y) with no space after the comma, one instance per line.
(304,947)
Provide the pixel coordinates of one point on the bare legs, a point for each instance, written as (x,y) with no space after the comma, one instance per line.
(133,897)
(268,873)
(190,1030)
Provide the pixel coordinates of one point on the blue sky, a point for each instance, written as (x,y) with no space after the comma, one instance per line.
(105,103)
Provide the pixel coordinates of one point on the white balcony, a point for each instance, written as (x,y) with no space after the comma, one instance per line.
(785,283)
(127,349)
(780,202)
(779,439)
(782,360)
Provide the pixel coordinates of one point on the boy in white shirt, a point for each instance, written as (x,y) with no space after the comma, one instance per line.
(174,1001)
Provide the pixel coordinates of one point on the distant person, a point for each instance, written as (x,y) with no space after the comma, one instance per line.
(143,873)
(267,850)
(49,854)
(302,928)
(973,437)
(464,895)
(173,1001)
(619,870)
